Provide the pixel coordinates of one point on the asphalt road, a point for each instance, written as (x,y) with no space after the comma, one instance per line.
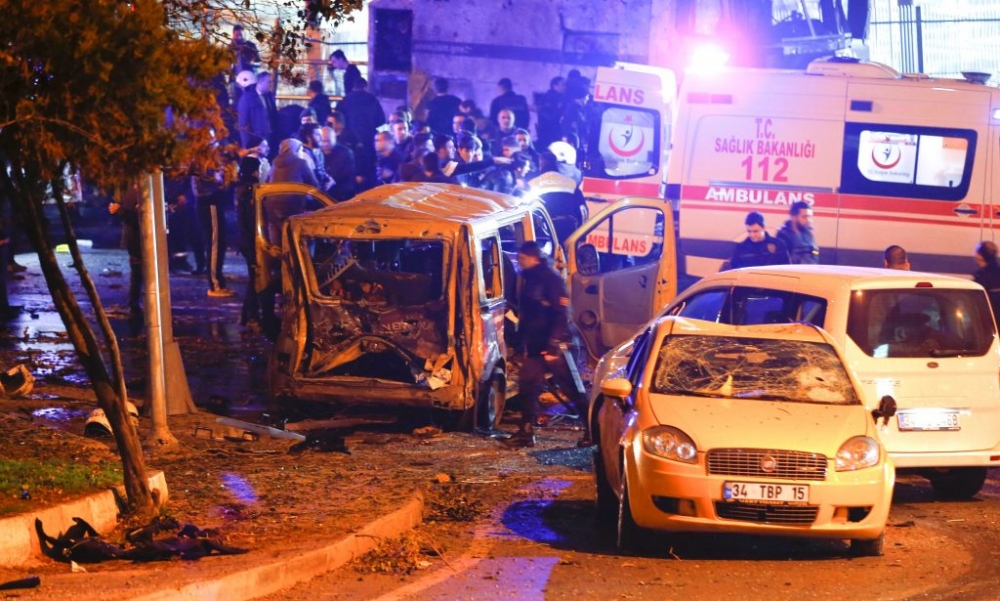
(544,542)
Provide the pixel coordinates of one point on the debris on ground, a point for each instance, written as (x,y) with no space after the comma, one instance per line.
(81,543)
(427,432)
(451,503)
(402,556)
(16,382)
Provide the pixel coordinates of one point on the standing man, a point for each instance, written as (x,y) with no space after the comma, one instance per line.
(759,248)
(509,100)
(255,113)
(797,234)
(895,258)
(338,62)
(442,109)
(210,193)
(544,335)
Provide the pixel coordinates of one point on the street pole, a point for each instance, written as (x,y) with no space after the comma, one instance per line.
(178,393)
(163,366)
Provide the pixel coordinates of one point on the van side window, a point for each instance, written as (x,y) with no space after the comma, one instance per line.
(907,161)
(624,141)
(752,306)
(492,268)
(705,305)
(920,323)
(544,235)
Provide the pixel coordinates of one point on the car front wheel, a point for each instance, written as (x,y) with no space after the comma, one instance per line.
(868,547)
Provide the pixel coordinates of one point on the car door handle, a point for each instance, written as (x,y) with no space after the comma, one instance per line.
(964,211)
(643,280)
(591,289)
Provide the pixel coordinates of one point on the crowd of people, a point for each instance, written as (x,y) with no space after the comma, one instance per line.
(351,146)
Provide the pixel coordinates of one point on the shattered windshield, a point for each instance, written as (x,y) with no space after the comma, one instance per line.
(752,368)
(377,272)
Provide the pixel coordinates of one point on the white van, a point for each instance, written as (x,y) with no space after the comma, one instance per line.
(927,340)
(884,158)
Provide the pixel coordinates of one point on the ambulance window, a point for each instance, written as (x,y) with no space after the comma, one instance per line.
(628,238)
(512,237)
(908,161)
(624,142)
(492,268)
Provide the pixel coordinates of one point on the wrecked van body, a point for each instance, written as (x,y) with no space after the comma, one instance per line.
(400,297)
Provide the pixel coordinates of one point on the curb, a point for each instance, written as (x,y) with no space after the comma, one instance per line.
(19,541)
(287,572)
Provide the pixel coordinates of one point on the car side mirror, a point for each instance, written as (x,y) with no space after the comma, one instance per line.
(587,260)
(616,388)
(886,409)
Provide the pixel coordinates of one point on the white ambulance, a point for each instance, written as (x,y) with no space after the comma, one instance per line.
(628,139)
(883,158)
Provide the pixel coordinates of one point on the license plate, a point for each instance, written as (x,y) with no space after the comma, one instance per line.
(928,421)
(765,493)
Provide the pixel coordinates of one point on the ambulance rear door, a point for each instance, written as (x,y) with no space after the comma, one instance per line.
(622,268)
(914,173)
(629,131)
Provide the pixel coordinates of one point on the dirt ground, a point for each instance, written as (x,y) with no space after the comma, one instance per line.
(261,495)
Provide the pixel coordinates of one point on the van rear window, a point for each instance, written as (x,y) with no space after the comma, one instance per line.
(908,161)
(920,323)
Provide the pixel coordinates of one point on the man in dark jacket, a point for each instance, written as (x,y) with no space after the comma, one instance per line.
(544,336)
(759,248)
(509,100)
(797,234)
(256,114)
(442,108)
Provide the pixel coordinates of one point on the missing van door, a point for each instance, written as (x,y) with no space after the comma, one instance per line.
(379,310)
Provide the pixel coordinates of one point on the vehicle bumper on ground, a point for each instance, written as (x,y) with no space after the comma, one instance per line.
(671,496)
(374,393)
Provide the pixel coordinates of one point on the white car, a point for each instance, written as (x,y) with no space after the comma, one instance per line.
(709,427)
(927,340)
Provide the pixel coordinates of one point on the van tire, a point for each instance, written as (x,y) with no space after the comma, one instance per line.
(490,402)
(958,483)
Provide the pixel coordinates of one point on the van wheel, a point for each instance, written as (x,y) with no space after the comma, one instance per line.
(489,404)
(958,483)
(868,547)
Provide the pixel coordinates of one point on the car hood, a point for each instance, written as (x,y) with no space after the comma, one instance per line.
(742,423)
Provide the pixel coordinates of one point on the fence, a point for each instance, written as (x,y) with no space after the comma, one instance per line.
(941,39)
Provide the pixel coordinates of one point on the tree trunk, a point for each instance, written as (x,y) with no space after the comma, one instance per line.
(27,194)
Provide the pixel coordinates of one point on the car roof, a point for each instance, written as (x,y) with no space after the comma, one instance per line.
(441,203)
(683,326)
(856,277)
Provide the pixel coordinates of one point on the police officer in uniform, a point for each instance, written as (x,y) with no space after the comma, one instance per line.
(544,336)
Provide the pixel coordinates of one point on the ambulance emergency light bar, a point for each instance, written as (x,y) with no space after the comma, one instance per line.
(707,59)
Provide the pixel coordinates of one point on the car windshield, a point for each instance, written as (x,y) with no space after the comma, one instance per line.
(752,368)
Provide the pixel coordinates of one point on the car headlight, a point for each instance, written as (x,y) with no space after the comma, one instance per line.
(670,443)
(857,453)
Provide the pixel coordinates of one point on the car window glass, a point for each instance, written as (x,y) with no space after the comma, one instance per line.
(752,306)
(765,369)
(920,322)
(492,268)
(705,305)
(637,358)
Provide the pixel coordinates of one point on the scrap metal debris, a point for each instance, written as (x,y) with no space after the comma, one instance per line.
(402,555)
(16,382)
(82,544)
